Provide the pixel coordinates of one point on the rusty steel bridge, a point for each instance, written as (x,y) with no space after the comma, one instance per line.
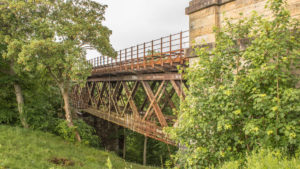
(140,89)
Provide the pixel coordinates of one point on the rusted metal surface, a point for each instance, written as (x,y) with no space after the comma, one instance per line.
(151,77)
(160,55)
(149,71)
(119,101)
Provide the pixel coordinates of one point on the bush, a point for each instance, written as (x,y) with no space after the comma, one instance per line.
(86,132)
(264,159)
(242,94)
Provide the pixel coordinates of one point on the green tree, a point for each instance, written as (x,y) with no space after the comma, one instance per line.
(63,32)
(243,92)
(15,31)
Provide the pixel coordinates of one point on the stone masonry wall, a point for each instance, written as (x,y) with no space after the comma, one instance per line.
(204,15)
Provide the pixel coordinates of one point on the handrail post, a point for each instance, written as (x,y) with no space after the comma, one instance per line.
(111,62)
(120,60)
(137,56)
(152,53)
(126,59)
(131,58)
(181,61)
(171,61)
(100,61)
(103,61)
(161,52)
(144,55)
(107,60)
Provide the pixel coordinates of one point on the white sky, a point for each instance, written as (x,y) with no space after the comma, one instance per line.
(136,21)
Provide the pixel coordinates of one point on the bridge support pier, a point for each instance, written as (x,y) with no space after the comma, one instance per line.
(107,132)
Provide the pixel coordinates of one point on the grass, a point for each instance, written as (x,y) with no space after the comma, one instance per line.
(27,149)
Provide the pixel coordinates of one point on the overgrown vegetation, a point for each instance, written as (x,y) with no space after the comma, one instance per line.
(241,110)
(264,159)
(51,39)
(44,59)
(243,93)
(24,148)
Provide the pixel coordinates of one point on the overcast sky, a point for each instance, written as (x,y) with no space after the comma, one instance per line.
(137,21)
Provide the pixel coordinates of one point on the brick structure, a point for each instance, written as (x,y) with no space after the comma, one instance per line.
(204,15)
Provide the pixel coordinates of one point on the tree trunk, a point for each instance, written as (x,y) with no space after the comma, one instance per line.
(145,151)
(19,98)
(67,108)
(20,101)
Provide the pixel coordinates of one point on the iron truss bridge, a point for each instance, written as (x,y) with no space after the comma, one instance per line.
(141,89)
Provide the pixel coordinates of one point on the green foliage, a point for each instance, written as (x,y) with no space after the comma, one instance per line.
(243,92)
(158,153)
(62,34)
(51,39)
(67,132)
(108,163)
(24,148)
(86,132)
(8,112)
(264,159)
(15,32)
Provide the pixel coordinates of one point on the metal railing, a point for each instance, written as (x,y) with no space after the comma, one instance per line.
(166,47)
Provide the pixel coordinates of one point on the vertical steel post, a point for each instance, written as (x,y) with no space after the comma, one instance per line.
(180,44)
(111,62)
(107,60)
(131,58)
(161,52)
(152,53)
(144,55)
(137,56)
(170,50)
(120,60)
(101,60)
(126,58)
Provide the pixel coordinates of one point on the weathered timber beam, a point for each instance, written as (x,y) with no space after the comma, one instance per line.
(144,77)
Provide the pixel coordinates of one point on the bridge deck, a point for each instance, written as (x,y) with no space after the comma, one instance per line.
(135,124)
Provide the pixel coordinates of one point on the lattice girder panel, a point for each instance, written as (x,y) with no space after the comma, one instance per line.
(140,104)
